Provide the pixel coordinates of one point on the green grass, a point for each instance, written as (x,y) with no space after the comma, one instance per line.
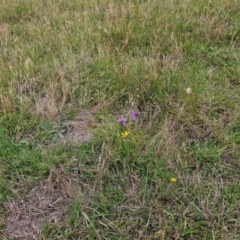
(60,57)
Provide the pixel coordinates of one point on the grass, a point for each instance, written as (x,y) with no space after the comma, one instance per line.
(61,60)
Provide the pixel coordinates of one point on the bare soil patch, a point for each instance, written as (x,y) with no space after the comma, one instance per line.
(79,129)
(47,202)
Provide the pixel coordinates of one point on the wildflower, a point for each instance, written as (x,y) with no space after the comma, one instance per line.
(122,120)
(134,115)
(125,134)
(173,179)
(133,6)
(188,90)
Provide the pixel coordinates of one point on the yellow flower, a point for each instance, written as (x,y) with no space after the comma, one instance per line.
(124,134)
(173,179)
(133,6)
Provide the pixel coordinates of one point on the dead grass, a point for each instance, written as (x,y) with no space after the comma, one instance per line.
(47,202)
(79,130)
(4,31)
(166,141)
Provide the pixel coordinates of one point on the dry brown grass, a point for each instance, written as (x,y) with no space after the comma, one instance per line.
(47,202)
(165,142)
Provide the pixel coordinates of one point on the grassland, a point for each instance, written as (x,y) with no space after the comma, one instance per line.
(84,64)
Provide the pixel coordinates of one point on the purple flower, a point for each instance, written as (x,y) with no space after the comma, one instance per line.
(122,120)
(134,114)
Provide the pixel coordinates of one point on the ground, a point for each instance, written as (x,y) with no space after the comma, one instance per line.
(119,119)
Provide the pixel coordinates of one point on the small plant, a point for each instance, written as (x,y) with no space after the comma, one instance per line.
(124,126)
